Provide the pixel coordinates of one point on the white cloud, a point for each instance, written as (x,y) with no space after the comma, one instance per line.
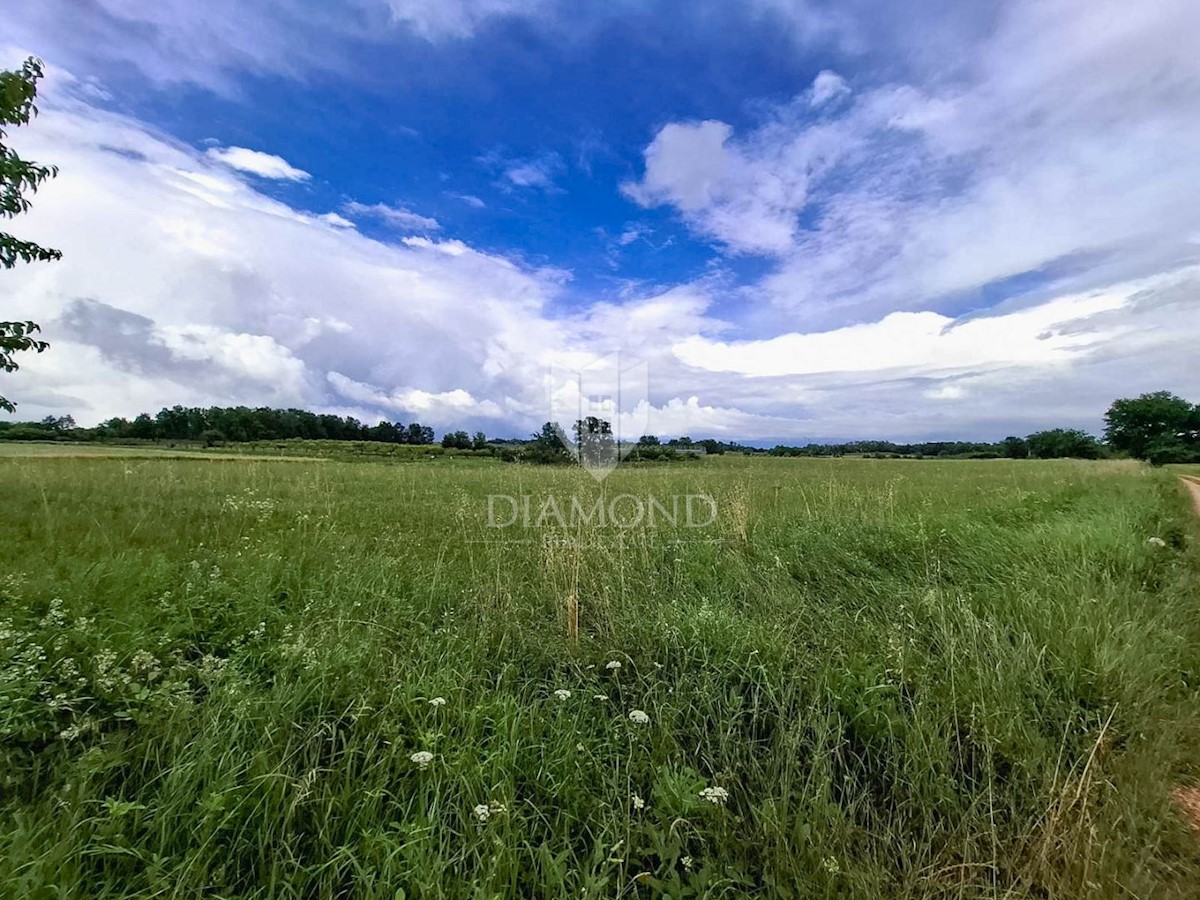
(336,220)
(827,86)
(264,165)
(394,216)
(457,18)
(469,199)
(527,172)
(443,406)
(223,295)
(1068,136)
(921,342)
(719,188)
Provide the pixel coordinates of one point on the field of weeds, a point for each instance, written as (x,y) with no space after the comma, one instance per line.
(840,678)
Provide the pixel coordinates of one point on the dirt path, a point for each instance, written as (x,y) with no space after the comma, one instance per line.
(1192,484)
(1188,798)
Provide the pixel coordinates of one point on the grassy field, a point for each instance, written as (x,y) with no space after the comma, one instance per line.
(862,679)
(287,450)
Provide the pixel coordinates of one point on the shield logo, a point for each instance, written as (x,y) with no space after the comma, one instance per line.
(602,408)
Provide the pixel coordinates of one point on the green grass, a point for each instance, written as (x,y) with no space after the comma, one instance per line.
(67,450)
(913,679)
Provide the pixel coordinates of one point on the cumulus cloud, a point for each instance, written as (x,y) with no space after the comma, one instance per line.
(827,86)
(891,220)
(1066,142)
(721,189)
(264,165)
(182,280)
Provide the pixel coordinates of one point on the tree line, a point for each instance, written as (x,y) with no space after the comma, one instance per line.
(1159,427)
(218,424)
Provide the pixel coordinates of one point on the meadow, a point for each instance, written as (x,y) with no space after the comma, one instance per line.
(256,678)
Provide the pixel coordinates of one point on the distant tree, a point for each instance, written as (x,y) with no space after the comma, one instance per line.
(59,423)
(594,438)
(386,432)
(456,440)
(1061,443)
(548,445)
(1015,447)
(649,440)
(1158,426)
(212,438)
(479,441)
(419,434)
(19,177)
(142,427)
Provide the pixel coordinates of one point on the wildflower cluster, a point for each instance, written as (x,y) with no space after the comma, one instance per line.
(249,501)
(422,758)
(485,811)
(65,681)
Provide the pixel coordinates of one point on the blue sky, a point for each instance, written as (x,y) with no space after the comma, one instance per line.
(811,221)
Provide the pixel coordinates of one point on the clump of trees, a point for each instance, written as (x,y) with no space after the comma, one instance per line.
(1159,427)
(460,440)
(218,424)
(1057,443)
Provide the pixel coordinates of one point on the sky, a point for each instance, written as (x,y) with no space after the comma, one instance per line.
(795,220)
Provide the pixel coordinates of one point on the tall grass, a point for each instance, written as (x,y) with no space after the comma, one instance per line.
(912,679)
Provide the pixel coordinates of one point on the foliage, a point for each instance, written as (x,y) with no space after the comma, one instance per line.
(1015,447)
(241,423)
(594,440)
(19,177)
(948,680)
(456,440)
(1159,427)
(1063,443)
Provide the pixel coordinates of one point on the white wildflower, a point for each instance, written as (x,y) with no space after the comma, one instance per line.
(599,696)
(830,865)
(437,701)
(639,717)
(612,665)
(638,802)
(562,694)
(484,811)
(422,758)
(715,795)
(1157,542)
(687,862)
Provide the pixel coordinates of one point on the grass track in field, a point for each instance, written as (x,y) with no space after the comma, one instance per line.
(914,679)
